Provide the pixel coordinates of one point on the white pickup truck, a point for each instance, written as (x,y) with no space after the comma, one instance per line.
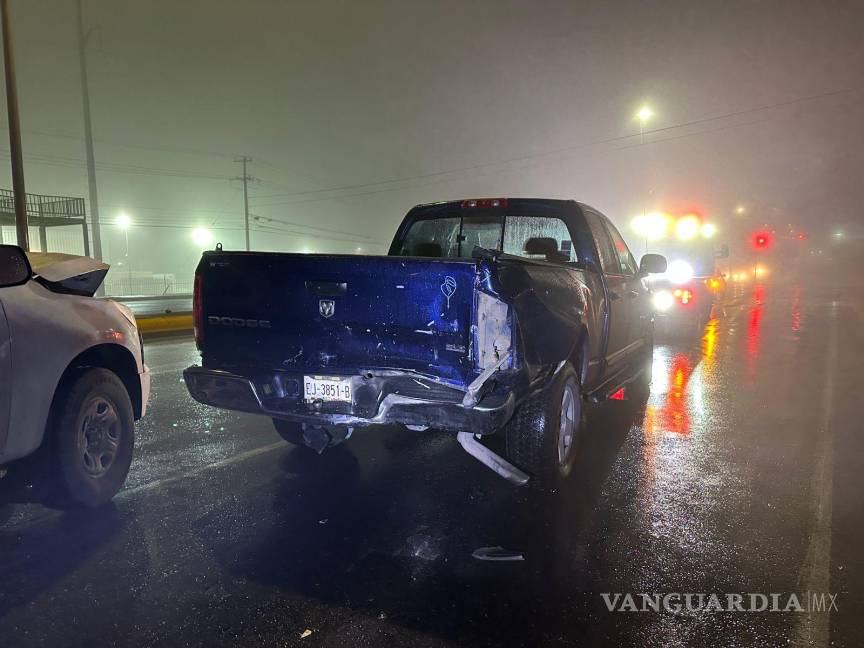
(72,374)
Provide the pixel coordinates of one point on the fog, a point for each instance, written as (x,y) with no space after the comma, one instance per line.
(354,112)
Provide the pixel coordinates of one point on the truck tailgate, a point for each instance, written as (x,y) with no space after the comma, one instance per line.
(328,314)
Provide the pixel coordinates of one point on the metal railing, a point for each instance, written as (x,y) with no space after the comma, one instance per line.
(45,206)
(162,305)
(122,286)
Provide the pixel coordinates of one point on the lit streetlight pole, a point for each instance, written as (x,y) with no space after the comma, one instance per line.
(124,222)
(643,116)
(202,237)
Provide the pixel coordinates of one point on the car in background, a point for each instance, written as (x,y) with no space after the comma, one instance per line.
(684,295)
(72,374)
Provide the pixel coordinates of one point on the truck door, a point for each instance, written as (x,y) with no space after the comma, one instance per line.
(635,291)
(619,305)
(5,378)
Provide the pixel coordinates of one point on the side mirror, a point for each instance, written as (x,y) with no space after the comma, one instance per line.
(652,264)
(722,253)
(14,266)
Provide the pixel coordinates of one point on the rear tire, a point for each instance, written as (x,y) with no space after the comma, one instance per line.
(545,432)
(93,428)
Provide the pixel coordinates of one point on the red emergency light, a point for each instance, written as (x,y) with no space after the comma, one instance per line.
(762,240)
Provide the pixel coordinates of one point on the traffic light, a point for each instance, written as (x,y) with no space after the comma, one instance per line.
(762,240)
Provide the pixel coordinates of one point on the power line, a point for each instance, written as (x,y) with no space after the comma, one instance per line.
(144,147)
(261,220)
(281,230)
(573,147)
(114,167)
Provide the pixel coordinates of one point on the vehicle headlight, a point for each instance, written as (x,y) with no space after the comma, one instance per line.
(663,300)
(679,272)
(687,228)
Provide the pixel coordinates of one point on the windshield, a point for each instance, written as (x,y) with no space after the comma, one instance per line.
(455,237)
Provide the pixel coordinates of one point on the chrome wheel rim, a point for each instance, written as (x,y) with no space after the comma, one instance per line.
(571,412)
(99,436)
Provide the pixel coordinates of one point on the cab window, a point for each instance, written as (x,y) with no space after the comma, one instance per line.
(537,237)
(532,237)
(626,261)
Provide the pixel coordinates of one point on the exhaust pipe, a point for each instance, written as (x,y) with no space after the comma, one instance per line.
(492,460)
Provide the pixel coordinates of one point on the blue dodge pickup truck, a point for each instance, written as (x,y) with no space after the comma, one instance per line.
(488,316)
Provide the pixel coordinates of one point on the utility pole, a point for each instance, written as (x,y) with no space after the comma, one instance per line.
(246,178)
(14,132)
(88,137)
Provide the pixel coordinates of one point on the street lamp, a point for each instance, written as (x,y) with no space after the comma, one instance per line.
(644,113)
(202,237)
(123,221)
(643,116)
(740,209)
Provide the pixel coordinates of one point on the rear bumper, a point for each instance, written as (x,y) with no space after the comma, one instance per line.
(385,399)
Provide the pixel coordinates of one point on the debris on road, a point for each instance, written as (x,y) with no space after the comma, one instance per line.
(306,633)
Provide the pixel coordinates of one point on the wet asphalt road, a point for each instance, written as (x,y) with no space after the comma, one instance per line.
(743,473)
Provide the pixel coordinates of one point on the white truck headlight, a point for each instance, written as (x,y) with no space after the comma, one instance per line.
(663,300)
(679,272)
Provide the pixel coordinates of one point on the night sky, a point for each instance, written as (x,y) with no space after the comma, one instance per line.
(355,111)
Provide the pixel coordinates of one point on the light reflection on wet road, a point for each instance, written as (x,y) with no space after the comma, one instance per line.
(225,537)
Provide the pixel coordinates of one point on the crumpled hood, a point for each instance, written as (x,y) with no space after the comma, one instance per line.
(68,273)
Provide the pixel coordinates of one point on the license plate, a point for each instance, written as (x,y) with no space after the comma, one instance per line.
(326,388)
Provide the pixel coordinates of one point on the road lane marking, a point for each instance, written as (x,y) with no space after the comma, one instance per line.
(243,456)
(815,572)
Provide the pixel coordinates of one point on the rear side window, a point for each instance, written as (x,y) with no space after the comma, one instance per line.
(538,237)
(435,237)
(609,261)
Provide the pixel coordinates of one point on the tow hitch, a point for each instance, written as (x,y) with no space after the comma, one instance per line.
(491,459)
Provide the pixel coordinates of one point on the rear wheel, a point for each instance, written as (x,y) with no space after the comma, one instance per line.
(94,431)
(545,433)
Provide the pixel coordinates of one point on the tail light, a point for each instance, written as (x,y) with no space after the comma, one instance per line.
(683,296)
(197,313)
(484,203)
